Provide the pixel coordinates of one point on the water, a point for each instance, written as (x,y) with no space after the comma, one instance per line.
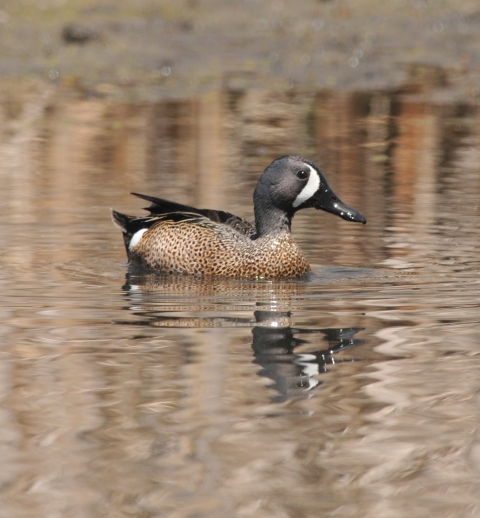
(352,393)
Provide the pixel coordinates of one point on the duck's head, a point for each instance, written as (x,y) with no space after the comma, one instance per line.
(291,183)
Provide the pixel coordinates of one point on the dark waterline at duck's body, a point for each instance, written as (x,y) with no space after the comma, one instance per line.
(177,238)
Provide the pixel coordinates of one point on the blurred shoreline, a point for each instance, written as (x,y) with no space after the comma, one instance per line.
(147,50)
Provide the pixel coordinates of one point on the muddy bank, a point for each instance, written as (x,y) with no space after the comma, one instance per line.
(145,49)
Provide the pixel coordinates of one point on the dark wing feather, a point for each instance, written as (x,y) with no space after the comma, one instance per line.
(160,206)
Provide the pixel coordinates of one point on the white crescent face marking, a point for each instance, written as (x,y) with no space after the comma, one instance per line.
(136,238)
(310,189)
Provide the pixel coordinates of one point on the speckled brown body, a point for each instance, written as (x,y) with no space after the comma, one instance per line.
(206,248)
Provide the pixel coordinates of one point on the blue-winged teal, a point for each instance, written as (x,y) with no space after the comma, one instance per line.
(180,239)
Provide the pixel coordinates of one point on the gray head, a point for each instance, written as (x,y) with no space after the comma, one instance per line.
(291,183)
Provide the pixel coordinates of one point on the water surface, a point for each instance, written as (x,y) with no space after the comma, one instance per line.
(354,392)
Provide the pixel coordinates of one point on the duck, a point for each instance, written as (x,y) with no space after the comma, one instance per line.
(179,239)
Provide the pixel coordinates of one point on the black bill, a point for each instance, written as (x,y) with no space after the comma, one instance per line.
(325,199)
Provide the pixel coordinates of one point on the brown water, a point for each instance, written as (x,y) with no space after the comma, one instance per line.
(353,393)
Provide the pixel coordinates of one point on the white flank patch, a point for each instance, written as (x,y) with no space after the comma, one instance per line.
(136,238)
(310,189)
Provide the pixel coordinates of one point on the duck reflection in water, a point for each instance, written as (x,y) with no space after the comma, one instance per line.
(294,374)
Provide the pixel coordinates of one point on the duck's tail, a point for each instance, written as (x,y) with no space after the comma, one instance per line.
(123,222)
(132,227)
(120,220)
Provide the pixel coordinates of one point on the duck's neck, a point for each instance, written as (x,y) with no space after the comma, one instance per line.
(271,220)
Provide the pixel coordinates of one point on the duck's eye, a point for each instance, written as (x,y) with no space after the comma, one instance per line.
(303,175)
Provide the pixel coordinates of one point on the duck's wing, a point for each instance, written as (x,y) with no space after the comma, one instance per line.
(160,206)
